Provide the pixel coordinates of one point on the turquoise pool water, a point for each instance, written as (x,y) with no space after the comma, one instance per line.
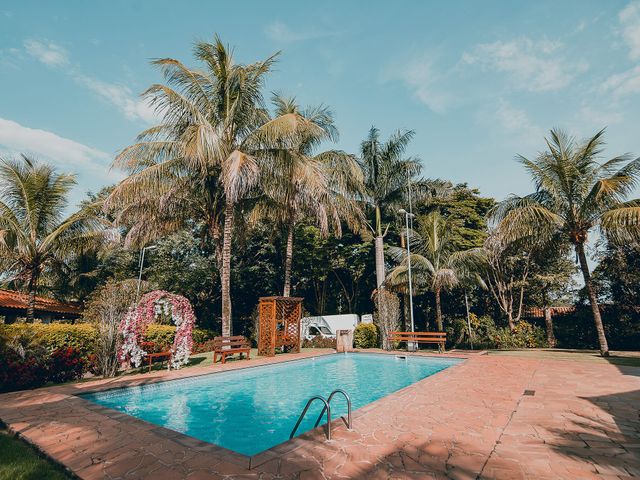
(253,409)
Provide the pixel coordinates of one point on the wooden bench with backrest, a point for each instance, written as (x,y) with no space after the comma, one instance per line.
(161,353)
(436,338)
(225,346)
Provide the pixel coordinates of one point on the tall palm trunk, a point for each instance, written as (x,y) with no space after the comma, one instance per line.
(32,286)
(288,259)
(438,311)
(602,339)
(225,274)
(379,249)
(548,321)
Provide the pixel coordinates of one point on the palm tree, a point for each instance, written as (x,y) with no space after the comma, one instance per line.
(34,233)
(296,182)
(435,265)
(576,194)
(204,156)
(386,176)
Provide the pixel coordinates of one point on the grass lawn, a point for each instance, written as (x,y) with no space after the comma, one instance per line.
(631,359)
(19,461)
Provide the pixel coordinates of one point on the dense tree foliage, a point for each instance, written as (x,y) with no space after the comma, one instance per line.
(242,199)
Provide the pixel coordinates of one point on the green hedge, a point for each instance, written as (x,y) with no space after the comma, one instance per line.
(52,336)
(487,335)
(164,334)
(83,336)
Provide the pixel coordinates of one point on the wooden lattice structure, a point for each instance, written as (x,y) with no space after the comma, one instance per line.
(279,324)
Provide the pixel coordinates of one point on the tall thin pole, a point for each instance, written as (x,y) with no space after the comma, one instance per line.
(409,271)
(466,301)
(140,273)
(409,192)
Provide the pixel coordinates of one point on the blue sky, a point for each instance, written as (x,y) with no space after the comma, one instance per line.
(477,81)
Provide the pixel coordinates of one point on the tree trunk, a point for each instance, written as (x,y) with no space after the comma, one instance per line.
(225,274)
(602,339)
(33,286)
(31,307)
(548,321)
(214,233)
(512,324)
(380,275)
(288,260)
(379,248)
(438,311)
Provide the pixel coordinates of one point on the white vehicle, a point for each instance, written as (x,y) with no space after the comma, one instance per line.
(327,325)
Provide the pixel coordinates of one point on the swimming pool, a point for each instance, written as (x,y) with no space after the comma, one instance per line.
(253,409)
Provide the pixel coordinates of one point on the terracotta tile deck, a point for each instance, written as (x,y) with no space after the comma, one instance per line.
(474,420)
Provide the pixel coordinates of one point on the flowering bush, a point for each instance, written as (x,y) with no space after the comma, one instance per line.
(17,373)
(22,368)
(65,364)
(151,306)
(319,342)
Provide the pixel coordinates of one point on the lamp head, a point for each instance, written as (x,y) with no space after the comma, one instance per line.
(402,211)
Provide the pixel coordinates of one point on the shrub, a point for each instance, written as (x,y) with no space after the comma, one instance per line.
(487,335)
(20,368)
(105,310)
(19,373)
(483,329)
(203,347)
(65,364)
(53,336)
(365,336)
(162,335)
(319,342)
(386,315)
(83,337)
(30,367)
(524,335)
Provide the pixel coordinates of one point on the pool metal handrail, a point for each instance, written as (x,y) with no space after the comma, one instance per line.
(326,408)
(347,422)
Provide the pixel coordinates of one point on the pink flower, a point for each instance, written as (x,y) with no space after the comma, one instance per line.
(135,323)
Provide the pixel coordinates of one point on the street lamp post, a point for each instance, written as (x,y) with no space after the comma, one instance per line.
(411,346)
(142,252)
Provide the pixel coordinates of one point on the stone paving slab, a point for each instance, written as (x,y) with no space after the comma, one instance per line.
(473,420)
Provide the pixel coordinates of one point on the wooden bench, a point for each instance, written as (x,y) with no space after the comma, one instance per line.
(225,346)
(162,355)
(436,338)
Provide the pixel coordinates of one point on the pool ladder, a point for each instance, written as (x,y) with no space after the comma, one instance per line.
(326,408)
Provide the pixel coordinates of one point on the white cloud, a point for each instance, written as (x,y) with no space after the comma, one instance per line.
(629,18)
(513,122)
(280,32)
(623,84)
(92,166)
(421,76)
(64,153)
(598,118)
(47,52)
(532,66)
(120,96)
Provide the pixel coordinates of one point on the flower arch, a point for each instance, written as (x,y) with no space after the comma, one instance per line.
(152,305)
